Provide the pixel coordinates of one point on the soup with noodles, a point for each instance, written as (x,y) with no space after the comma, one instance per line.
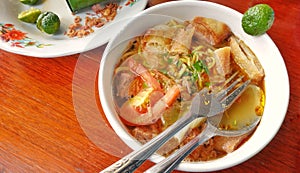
(161,70)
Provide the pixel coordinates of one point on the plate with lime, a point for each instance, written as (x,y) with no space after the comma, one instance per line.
(49,29)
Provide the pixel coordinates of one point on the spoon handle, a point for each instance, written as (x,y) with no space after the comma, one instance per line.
(171,162)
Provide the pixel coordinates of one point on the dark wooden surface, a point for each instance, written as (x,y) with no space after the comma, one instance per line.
(51,118)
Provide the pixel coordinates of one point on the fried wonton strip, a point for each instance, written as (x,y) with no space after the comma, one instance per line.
(228,144)
(158,39)
(155,44)
(182,41)
(222,56)
(246,60)
(211,30)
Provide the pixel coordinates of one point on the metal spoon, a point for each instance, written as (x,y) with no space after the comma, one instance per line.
(212,129)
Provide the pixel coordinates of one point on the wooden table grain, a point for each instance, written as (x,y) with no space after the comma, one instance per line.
(51,119)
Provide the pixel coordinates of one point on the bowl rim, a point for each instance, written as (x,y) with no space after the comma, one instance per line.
(223,162)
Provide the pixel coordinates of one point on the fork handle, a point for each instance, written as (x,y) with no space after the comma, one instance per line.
(133,160)
(170,163)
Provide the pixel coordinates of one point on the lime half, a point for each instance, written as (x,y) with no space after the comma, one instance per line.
(48,22)
(258,19)
(29,2)
(29,16)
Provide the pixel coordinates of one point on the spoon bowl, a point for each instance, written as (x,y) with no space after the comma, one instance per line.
(212,129)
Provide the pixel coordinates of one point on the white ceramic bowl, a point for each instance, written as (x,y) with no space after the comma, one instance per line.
(276,80)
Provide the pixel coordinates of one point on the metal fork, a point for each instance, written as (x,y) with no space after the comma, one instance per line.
(170,163)
(204,104)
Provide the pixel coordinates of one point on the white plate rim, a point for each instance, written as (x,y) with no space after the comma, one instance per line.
(66,46)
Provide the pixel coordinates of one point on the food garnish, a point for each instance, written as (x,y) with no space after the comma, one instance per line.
(29,2)
(100,17)
(81,27)
(258,19)
(29,16)
(48,22)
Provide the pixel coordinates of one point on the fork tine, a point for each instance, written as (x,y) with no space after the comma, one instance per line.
(228,100)
(223,92)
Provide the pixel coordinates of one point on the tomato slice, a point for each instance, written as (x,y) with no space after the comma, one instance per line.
(148,99)
(136,86)
(159,102)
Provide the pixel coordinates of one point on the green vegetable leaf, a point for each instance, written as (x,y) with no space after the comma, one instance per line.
(200,65)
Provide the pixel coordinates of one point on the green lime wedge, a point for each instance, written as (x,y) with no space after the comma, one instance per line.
(48,22)
(29,16)
(29,2)
(258,19)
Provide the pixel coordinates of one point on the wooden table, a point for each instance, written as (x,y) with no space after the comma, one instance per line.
(51,118)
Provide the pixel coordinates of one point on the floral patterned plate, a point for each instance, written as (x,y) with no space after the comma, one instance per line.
(25,39)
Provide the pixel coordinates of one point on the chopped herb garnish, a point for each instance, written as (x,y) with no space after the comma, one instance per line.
(207,84)
(205,68)
(195,76)
(170,60)
(200,65)
(145,85)
(186,73)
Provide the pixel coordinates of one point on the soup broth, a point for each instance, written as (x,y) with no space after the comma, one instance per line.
(161,70)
